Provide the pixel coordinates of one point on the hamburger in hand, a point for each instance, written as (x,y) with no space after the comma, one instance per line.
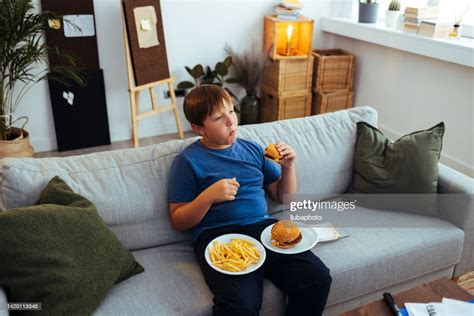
(285,234)
(271,152)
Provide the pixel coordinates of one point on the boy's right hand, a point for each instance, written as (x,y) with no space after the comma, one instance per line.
(222,190)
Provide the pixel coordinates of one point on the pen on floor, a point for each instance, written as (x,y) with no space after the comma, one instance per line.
(387,297)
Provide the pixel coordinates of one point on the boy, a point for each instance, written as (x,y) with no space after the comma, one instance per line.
(217,187)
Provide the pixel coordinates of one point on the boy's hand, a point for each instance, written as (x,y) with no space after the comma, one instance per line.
(222,190)
(288,155)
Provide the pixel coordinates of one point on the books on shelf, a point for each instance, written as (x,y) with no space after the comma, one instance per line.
(291,4)
(430,10)
(411,28)
(414,16)
(434,29)
(288,10)
(420,16)
(287,17)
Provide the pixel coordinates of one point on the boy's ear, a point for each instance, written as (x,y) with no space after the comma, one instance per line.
(197,128)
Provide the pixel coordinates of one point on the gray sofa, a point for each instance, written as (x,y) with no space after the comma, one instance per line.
(129,188)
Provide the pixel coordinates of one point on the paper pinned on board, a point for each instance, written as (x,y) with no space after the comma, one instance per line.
(79,25)
(145,23)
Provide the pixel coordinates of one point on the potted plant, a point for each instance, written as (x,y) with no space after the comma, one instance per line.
(368,11)
(392,13)
(23,63)
(248,69)
(216,76)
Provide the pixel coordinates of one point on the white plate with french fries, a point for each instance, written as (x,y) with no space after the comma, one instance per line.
(235,254)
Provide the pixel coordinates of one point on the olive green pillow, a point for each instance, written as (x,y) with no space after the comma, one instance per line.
(408,165)
(60,253)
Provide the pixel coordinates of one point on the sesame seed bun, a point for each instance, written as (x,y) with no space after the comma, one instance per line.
(285,234)
(272,153)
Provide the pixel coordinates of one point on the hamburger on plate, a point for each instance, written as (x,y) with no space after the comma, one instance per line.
(285,234)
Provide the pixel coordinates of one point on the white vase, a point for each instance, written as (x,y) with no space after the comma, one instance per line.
(391,18)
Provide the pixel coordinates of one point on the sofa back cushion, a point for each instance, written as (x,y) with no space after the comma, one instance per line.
(129,187)
(324,146)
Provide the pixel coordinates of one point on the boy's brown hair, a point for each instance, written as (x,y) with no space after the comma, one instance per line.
(202,101)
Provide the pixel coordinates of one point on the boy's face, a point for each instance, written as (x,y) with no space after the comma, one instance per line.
(219,129)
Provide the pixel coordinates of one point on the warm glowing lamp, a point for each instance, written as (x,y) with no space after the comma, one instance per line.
(287,39)
(289,32)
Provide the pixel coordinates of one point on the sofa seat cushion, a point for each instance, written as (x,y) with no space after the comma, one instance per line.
(379,254)
(172,284)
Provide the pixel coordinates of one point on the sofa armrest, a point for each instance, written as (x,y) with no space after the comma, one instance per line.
(3,303)
(456,205)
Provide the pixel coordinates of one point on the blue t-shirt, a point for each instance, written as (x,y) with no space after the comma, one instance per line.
(197,167)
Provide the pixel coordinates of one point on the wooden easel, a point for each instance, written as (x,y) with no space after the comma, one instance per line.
(134,92)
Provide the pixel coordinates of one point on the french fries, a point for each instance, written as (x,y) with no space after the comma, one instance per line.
(234,256)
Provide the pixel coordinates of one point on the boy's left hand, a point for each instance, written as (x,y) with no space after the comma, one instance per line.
(287,154)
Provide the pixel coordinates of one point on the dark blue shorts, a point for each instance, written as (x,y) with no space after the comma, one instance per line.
(302,277)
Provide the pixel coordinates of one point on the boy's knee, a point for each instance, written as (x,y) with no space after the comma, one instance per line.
(239,304)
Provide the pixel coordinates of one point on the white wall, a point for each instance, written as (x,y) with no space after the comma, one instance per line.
(412,92)
(195,32)
(409,91)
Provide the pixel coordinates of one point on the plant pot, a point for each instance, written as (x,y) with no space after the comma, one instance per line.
(19,146)
(391,18)
(368,12)
(249,109)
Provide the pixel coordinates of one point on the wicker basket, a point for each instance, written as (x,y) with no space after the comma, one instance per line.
(333,70)
(276,107)
(285,76)
(324,102)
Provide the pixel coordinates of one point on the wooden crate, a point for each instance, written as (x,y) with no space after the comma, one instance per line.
(275,38)
(286,76)
(324,102)
(334,69)
(274,107)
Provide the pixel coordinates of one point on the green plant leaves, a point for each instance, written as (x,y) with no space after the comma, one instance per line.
(196,72)
(221,69)
(210,76)
(185,85)
(23,56)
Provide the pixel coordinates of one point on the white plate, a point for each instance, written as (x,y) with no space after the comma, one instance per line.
(228,238)
(309,240)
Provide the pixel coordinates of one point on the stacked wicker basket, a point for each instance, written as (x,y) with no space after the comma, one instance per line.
(333,78)
(286,84)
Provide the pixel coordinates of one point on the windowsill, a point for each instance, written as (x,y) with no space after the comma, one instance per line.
(459,51)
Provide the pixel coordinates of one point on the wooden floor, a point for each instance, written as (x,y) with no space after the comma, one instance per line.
(115,146)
